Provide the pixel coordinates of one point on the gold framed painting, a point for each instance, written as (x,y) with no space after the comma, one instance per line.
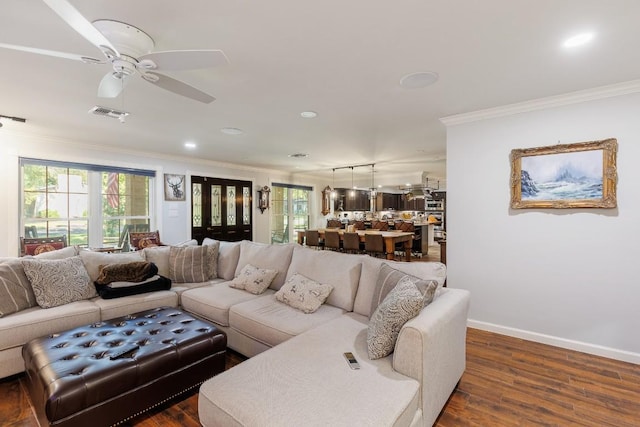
(580,175)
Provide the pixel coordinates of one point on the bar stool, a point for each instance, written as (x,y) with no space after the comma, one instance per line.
(351,243)
(331,240)
(374,244)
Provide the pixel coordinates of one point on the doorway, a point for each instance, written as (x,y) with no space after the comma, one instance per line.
(221,209)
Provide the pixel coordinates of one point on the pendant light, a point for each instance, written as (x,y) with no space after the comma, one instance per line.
(373,187)
(333,185)
(352,193)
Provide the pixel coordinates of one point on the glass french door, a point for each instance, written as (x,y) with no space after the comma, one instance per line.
(289,212)
(220,209)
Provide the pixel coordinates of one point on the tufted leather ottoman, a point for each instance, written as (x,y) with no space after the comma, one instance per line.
(75,378)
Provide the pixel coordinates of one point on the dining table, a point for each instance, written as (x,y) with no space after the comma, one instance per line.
(390,239)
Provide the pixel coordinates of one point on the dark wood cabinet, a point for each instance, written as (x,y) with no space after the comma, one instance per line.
(386,202)
(351,200)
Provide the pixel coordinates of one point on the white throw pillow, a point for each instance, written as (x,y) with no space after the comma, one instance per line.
(253,279)
(303,293)
(58,282)
(402,303)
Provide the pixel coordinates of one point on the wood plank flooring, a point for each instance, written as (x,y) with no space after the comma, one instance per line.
(508,382)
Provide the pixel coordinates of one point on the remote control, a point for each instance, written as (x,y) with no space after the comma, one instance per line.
(353,363)
(124,351)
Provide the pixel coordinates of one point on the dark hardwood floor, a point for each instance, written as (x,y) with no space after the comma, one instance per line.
(508,382)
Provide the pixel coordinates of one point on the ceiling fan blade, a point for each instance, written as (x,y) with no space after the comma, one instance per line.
(112,84)
(183,59)
(55,53)
(79,23)
(176,86)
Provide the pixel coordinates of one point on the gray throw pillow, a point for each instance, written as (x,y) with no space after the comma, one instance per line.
(402,304)
(389,277)
(193,264)
(15,290)
(58,282)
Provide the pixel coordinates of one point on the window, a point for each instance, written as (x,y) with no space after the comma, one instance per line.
(289,211)
(92,205)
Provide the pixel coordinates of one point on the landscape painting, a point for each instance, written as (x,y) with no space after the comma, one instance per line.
(565,176)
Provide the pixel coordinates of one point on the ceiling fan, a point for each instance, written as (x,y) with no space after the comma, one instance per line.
(130,51)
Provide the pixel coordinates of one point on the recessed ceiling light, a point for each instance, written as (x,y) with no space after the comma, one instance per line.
(578,40)
(232,131)
(309,114)
(190,145)
(298,155)
(418,80)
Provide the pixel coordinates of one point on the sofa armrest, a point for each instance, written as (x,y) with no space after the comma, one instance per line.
(431,349)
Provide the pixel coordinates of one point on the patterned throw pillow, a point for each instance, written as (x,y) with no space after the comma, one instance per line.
(15,290)
(403,303)
(192,264)
(253,279)
(58,282)
(389,277)
(303,293)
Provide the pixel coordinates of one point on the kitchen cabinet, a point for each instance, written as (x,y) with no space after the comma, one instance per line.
(346,201)
(386,202)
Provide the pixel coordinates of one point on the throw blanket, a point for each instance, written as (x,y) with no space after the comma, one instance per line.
(123,289)
(136,271)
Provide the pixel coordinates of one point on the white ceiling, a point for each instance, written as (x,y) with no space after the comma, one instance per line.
(342,59)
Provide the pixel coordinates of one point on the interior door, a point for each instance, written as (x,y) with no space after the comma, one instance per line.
(221,209)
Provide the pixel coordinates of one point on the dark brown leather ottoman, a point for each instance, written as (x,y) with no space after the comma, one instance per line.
(75,378)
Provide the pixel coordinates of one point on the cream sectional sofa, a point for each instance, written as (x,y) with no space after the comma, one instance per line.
(297,374)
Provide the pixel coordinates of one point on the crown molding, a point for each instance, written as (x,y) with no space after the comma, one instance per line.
(601,92)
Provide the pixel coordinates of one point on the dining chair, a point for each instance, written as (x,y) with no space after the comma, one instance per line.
(359,225)
(334,223)
(380,225)
(38,245)
(351,243)
(141,240)
(374,245)
(312,239)
(331,240)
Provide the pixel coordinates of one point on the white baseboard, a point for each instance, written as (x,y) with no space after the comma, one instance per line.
(598,350)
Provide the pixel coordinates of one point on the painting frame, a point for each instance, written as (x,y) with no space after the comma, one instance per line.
(608,199)
(174,188)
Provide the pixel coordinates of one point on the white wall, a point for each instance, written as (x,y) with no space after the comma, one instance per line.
(173,217)
(568,277)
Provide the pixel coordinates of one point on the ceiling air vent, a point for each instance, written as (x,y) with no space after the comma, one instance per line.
(108,112)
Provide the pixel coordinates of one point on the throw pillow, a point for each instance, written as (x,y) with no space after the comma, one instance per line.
(253,279)
(15,290)
(58,282)
(192,264)
(128,272)
(303,293)
(402,304)
(389,277)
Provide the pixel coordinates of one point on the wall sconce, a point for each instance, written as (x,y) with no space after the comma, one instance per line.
(263,198)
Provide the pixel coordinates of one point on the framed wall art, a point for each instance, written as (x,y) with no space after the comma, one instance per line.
(580,175)
(174,188)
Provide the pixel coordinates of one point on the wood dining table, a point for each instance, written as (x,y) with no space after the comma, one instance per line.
(390,239)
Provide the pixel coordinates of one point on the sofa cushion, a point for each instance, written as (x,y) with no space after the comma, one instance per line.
(253,279)
(228,256)
(213,302)
(303,293)
(274,257)
(111,308)
(159,255)
(271,322)
(93,260)
(18,328)
(342,271)
(368,279)
(389,277)
(58,282)
(402,304)
(305,382)
(15,289)
(192,263)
